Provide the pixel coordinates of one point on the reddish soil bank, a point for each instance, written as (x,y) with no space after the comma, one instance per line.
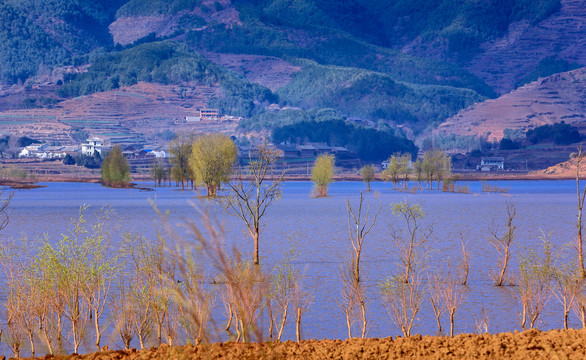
(531,344)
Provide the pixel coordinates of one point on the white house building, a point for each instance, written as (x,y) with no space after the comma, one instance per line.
(93,144)
(492,163)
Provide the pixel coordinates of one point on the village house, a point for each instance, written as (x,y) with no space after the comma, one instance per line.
(491,164)
(94,144)
(209,114)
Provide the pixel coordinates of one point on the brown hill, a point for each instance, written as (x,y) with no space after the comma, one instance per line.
(565,170)
(560,97)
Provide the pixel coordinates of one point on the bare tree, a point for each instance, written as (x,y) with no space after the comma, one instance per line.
(502,243)
(403,299)
(249,200)
(123,314)
(352,301)
(464,266)
(579,304)
(300,302)
(534,290)
(449,292)
(359,226)
(409,245)
(566,286)
(284,284)
(579,222)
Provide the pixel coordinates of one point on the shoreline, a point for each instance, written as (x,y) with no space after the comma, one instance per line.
(458,176)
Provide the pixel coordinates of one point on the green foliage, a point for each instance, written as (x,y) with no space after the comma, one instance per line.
(68,160)
(334,48)
(115,168)
(212,160)
(546,67)
(508,144)
(322,174)
(368,144)
(89,161)
(372,95)
(26,141)
(38,34)
(560,133)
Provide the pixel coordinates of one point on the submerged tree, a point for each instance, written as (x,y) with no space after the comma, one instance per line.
(579,222)
(502,243)
(212,160)
(180,151)
(322,174)
(367,172)
(249,200)
(409,245)
(115,168)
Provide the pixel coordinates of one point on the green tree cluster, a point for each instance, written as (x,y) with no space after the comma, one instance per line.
(115,168)
(212,160)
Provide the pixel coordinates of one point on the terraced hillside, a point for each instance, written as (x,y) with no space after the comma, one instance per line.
(130,115)
(560,97)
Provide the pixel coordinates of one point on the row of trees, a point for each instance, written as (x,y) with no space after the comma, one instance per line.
(206,160)
(434,166)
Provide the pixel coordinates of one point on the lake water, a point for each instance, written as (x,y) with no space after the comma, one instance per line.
(319,228)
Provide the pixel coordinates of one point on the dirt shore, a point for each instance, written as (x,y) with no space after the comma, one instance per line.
(531,344)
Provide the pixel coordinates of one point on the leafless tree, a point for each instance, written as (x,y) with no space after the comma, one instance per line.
(566,288)
(352,300)
(534,283)
(579,222)
(579,304)
(464,266)
(449,292)
(123,313)
(403,299)
(300,301)
(249,200)
(284,284)
(359,226)
(502,243)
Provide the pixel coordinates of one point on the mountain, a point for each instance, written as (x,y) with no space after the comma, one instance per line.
(406,65)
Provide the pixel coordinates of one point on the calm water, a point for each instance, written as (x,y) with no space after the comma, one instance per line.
(319,229)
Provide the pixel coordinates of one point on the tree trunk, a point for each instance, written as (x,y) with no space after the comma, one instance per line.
(255,236)
(298,327)
(437,316)
(566,312)
(452,313)
(283,319)
(501,278)
(98,331)
(364,322)
(348,324)
(32,341)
